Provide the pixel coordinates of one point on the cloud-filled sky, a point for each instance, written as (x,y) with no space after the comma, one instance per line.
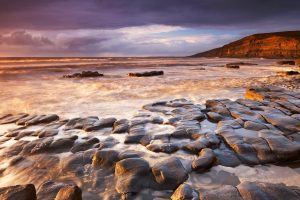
(136,27)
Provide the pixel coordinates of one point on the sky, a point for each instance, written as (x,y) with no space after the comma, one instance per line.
(136,27)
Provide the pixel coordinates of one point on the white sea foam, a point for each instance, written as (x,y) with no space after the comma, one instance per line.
(40,89)
(36,87)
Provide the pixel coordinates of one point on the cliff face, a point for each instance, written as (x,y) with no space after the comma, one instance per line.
(265,45)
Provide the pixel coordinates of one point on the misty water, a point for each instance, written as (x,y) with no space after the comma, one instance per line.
(36,86)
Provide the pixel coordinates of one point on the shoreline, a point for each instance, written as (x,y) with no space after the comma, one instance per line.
(177,133)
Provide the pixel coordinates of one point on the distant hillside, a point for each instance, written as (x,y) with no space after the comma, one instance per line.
(264,45)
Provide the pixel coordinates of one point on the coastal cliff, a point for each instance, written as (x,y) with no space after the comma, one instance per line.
(264,45)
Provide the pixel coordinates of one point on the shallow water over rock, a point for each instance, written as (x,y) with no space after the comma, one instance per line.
(37,86)
(179,148)
(166,144)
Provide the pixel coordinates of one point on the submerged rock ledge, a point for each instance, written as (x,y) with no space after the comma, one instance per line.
(157,150)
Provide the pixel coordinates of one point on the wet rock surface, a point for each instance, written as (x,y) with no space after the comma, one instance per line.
(133,174)
(84,74)
(204,161)
(159,153)
(145,74)
(286,62)
(288,73)
(24,192)
(250,190)
(226,192)
(184,191)
(232,66)
(169,173)
(59,191)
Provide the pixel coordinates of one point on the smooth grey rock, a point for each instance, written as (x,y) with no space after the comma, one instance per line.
(105,158)
(251,190)
(102,123)
(290,106)
(84,74)
(129,154)
(215,117)
(76,162)
(107,143)
(137,130)
(69,193)
(15,149)
(283,122)
(226,192)
(250,125)
(165,147)
(58,191)
(37,146)
(204,161)
(282,147)
(81,123)
(132,174)
(47,132)
(7,119)
(39,119)
(164,173)
(121,126)
(14,132)
(83,146)
(184,192)
(23,120)
(196,146)
(226,157)
(263,151)
(62,144)
(24,133)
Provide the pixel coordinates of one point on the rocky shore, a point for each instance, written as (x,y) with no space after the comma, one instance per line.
(154,154)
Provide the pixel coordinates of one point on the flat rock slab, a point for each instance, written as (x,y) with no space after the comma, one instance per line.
(84,74)
(288,73)
(204,161)
(83,146)
(270,93)
(250,190)
(133,175)
(184,191)
(164,173)
(6,119)
(227,192)
(146,74)
(59,191)
(157,149)
(232,65)
(69,193)
(286,62)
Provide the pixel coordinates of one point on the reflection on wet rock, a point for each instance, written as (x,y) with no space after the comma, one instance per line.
(164,173)
(168,150)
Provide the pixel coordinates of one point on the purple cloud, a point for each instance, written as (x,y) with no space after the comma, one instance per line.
(135,27)
(22,38)
(95,14)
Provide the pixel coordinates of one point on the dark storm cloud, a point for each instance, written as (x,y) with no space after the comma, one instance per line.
(93,14)
(135,27)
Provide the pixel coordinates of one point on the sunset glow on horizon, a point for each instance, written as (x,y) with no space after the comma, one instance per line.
(138,28)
